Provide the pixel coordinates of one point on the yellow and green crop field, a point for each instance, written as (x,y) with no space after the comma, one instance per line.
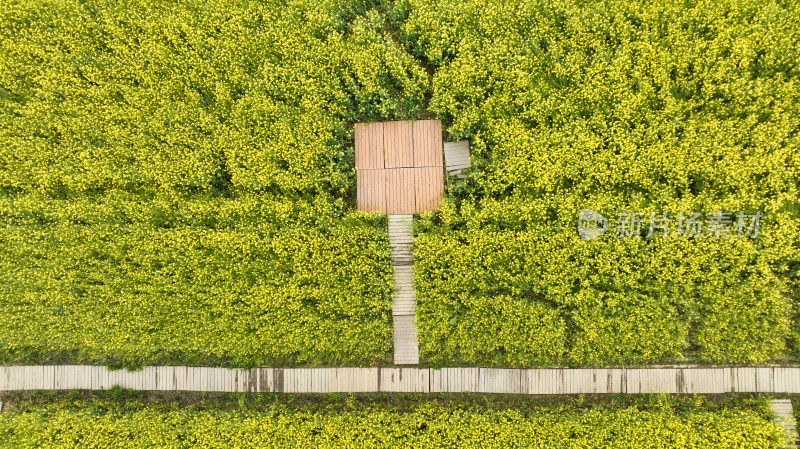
(649,107)
(177,181)
(352,422)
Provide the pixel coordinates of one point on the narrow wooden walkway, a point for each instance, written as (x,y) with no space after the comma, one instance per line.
(784,418)
(688,380)
(406,350)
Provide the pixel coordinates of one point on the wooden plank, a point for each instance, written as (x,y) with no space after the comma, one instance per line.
(786,380)
(400,191)
(30,376)
(429,188)
(392,380)
(457,156)
(189,382)
(101,378)
(404,309)
(557,379)
(377,145)
(369,381)
(363,193)
(240,380)
(206,379)
(368,142)
(764,380)
(452,149)
(409,304)
(455,169)
(258,380)
(224,379)
(655,380)
(111,379)
(263,380)
(536,381)
(5,378)
(64,377)
(405,293)
(403,271)
(745,380)
(427,135)
(398,144)
(703,380)
(49,378)
(147,378)
(59,376)
(360,145)
(179,381)
(88,377)
(458,165)
(371,190)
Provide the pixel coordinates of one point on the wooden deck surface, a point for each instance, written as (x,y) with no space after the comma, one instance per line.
(398,144)
(371,193)
(369,145)
(404,302)
(399,166)
(456,156)
(686,380)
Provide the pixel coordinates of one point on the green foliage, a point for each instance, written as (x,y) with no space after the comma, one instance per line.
(145,93)
(120,424)
(192,280)
(619,302)
(173,178)
(613,106)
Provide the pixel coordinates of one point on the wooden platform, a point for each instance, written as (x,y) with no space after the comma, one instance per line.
(399,166)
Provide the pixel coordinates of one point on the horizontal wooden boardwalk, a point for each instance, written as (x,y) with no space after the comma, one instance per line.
(396,379)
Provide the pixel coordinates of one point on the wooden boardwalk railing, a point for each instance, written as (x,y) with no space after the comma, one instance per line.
(423,380)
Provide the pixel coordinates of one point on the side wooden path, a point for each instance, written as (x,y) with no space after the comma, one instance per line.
(784,418)
(397,379)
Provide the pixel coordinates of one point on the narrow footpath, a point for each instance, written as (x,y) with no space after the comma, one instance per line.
(406,350)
